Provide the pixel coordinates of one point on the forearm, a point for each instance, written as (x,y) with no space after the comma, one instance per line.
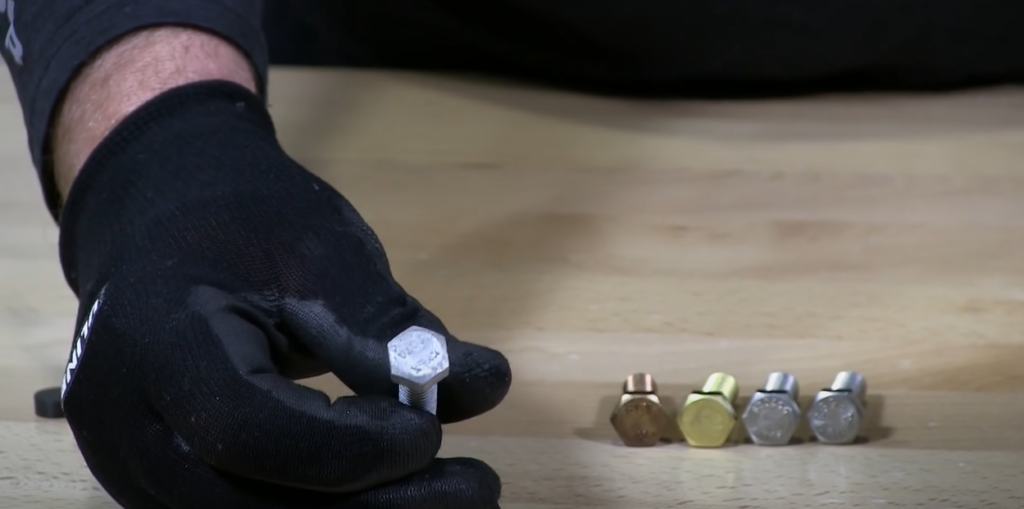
(127,74)
(86,63)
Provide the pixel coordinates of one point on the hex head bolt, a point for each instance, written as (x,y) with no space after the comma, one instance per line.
(419,360)
(838,411)
(639,419)
(708,416)
(773,413)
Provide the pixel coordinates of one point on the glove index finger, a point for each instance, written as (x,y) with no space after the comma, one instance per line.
(229,404)
(478,380)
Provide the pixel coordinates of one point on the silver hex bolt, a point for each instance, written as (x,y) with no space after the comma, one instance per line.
(838,411)
(419,360)
(773,413)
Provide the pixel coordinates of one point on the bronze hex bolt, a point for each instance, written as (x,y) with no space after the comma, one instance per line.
(639,419)
(773,413)
(838,411)
(708,417)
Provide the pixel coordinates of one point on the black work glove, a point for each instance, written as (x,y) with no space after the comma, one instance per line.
(212,270)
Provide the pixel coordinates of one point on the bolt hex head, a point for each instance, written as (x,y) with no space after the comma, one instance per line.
(707,420)
(639,420)
(835,417)
(419,358)
(771,418)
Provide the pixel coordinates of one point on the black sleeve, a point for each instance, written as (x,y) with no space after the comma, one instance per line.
(47,41)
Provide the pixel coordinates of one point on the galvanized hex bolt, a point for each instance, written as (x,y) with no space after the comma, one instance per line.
(419,360)
(639,419)
(708,416)
(838,411)
(773,413)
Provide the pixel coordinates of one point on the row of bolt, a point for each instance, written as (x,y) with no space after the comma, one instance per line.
(708,416)
(419,360)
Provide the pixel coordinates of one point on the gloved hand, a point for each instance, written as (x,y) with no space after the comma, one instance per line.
(212,270)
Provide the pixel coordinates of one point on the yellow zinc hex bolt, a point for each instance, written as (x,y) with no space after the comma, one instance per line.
(708,417)
(639,419)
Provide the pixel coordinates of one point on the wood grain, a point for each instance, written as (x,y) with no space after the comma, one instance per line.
(589,238)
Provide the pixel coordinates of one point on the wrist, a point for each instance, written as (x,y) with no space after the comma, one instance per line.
(127,75)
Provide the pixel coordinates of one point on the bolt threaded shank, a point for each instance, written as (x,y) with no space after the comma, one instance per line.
(424,400)
(640,383)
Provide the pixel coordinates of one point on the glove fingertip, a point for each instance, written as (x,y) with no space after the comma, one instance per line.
(478,381)
(474,476)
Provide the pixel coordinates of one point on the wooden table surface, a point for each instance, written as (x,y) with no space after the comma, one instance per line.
(590,238)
